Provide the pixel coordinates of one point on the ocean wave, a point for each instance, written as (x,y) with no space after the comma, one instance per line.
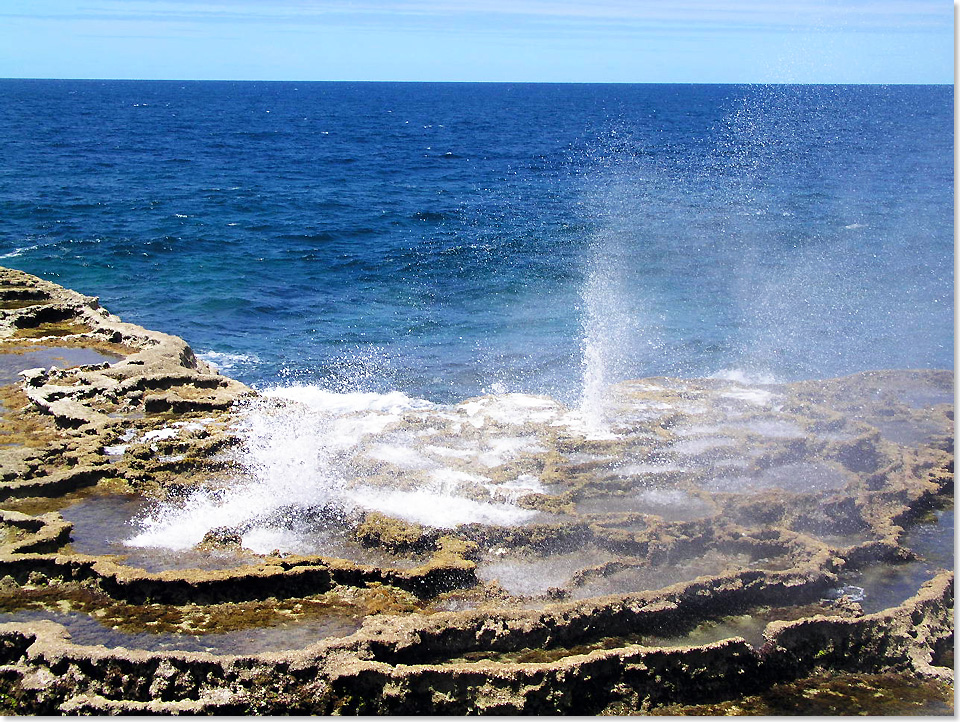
(223,361)
(19,251)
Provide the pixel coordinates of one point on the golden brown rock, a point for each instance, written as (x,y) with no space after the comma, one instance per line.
(711,547)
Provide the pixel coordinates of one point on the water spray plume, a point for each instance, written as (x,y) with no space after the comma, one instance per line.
(615,326)
(283,464)
(605,325)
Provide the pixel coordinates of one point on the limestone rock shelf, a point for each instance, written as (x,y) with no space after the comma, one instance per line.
(711,543)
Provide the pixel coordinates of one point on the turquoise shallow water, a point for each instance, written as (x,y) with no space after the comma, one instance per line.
(451,239)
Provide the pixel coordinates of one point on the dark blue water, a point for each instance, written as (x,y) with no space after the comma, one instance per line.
(439,238)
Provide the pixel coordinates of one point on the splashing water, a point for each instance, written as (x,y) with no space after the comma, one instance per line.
(604,329)
(285,467)
(310,459)
(617,333)
(718,258)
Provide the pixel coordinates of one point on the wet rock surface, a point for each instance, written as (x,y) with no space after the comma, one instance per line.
(173,542)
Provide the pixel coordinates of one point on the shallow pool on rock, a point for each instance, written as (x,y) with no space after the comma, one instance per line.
(16,359)
(668,504)
(801,477)
(85,630)
(103,524)
(644,577)
(534,575)
(887,585)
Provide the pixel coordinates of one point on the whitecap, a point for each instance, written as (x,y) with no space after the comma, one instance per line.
(227,361)
(18,251)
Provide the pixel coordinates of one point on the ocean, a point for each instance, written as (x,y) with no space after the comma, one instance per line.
(453,240)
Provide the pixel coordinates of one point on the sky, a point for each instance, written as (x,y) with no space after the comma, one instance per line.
(632,41)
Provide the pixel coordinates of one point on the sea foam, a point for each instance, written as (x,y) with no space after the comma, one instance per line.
(301,450)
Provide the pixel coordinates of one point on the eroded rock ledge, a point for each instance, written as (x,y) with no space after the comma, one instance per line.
(770,505)
(360,674)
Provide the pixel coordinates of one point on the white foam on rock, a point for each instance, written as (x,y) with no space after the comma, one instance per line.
(164,434)
(745,378)
(513,409)
(700,445)
(284,464)
(263,540)
(576,424)
(197,425)
(334,403)
(759,397)
(647,468)
(500,450)
(771,428)
(433,507)
(448,453)
(404,457)
(698,430)
(451,481)
(512,490)
(297,446)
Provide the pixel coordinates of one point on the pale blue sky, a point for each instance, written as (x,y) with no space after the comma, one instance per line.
(707,41)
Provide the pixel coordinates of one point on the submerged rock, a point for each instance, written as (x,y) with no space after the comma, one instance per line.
(717,546)
(221,537)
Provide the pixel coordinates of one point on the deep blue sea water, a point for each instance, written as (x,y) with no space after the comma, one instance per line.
(452,239)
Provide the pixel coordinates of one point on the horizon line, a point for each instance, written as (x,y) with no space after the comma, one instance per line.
(474,82)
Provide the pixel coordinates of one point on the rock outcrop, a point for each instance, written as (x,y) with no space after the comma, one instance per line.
(714,542)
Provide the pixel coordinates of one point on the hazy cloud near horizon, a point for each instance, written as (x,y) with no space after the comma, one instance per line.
(552,40)
(863,14)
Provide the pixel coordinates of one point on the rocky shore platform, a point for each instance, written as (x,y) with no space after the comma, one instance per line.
(717,547)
